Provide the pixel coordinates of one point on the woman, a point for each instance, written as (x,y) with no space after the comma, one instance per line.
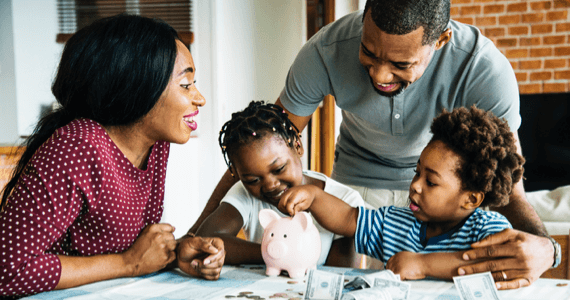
(84,202)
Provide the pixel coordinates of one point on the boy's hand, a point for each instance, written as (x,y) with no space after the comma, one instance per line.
(201,257)
(409,265)
(298,198)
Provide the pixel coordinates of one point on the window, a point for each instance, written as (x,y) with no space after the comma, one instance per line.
(76,14)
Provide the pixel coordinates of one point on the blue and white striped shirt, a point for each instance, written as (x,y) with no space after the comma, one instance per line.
(388,230)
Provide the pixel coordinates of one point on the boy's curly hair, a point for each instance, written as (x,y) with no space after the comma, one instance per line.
(489,161)
(256,121)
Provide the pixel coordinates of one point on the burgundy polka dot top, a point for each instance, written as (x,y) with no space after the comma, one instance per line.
(79,195)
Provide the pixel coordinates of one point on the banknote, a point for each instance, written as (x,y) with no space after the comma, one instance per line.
(322,285)
(476,286)
(399,290)
(366,281)
(357,283)
(374,293)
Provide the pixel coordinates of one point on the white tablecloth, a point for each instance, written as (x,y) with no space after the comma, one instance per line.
(173,285)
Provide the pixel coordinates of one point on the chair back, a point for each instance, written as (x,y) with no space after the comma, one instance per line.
(561,272)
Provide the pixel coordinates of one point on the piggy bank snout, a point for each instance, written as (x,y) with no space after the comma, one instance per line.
(277,249)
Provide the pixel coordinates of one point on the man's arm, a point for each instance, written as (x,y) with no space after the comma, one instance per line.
(519,212)
(523,254)
(300,122)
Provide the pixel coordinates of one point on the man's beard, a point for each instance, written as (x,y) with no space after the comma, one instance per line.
(395,93)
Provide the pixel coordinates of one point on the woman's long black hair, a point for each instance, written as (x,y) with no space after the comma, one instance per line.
(112,71)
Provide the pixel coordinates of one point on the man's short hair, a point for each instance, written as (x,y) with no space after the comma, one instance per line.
(404,16)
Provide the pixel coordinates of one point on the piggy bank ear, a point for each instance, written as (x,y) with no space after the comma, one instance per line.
(304,218)
(267,216)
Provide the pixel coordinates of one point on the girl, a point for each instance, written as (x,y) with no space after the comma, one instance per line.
(263,149)
(470,161)
(86,197)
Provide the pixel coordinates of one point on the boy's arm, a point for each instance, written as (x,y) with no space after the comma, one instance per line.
(225,222)
(332,213)
(412,266)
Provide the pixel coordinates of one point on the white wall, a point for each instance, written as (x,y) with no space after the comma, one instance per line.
(242,51)
(36,55)
(8,106)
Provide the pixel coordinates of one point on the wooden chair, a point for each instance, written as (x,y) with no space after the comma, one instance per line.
(562,271)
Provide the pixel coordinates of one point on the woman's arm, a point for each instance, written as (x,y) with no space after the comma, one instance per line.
(151,252)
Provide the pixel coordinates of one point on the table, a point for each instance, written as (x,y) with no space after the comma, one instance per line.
(174,285)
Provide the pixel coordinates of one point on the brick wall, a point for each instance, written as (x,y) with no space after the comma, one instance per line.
(534,35)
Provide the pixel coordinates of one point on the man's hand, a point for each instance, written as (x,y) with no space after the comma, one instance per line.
(409,265)
(515,258)
(201,257)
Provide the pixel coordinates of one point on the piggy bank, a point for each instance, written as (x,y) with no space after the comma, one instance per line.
(290,244)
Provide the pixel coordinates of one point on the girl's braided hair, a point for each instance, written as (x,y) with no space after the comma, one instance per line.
(256,121)
(489,161)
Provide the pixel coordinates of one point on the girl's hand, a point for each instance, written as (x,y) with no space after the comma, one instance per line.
(408,264)
(298,198)
(201,257)
(152,250)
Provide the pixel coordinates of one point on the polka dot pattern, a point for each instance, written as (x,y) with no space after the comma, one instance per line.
(79,195)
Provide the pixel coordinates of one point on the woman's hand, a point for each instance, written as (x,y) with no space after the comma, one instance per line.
(515,258)
(409,265)
(152,250)
(297,198)
(201,257)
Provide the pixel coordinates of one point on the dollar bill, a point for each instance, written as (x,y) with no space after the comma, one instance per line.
(374,293)
(366,281)
(357,283)
(322,285)
(476,286)
(398,290)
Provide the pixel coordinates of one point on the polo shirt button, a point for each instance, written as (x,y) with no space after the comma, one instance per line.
(397,116)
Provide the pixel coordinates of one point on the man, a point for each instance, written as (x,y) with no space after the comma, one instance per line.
(392,69)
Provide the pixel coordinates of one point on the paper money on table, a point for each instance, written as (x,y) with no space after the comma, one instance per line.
(374,293)
(399,290)
(322,285)
(367,281)
(476,286)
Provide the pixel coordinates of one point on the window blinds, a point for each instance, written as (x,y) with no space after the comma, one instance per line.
(76,14)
